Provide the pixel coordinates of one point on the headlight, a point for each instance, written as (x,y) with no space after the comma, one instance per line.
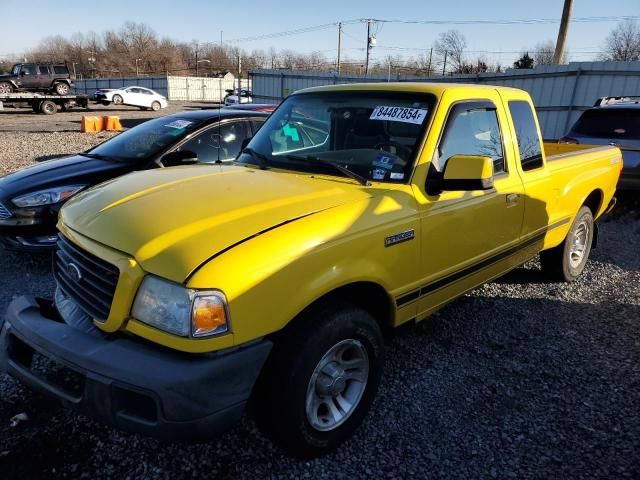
(47,197)
(175,309)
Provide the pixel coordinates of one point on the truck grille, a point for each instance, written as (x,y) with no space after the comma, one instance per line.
(4,213)
(88,280)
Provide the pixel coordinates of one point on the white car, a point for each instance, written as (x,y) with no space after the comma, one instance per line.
(134,96)
(233,98)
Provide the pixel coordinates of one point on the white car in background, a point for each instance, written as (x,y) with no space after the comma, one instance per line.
(233,98)
(134,96)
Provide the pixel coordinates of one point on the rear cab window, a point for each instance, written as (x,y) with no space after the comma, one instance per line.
(529,144)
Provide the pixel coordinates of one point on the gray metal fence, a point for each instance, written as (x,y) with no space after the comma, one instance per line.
(560,92)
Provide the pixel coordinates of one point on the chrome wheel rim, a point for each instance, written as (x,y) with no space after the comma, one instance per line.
(63,89)
(117,100)
(337,385)
(5,89)
(579,244)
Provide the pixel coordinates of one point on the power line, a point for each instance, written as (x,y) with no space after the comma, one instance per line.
(518,21)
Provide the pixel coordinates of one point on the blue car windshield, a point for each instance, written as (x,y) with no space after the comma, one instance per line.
(146,139)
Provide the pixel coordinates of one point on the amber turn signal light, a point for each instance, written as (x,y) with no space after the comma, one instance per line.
(209,316)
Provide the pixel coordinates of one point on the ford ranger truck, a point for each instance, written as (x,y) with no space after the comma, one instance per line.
(186,294)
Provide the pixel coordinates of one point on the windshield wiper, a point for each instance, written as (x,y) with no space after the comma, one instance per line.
(262,159)
(359,178)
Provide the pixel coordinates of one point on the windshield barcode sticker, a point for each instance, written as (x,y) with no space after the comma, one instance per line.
(399,114)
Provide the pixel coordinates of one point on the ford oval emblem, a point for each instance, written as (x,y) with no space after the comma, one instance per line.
(74,272)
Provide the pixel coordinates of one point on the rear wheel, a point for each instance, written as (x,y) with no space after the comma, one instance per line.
(117,100)
(5,88)
(567,261)
(61,88)
(320,380)
(155,106)
(48,107)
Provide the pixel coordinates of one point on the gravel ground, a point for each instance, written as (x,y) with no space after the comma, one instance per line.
(518,379)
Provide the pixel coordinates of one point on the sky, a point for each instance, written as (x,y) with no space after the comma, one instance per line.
(204,21)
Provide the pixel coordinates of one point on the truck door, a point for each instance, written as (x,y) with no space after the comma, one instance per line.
(469,236)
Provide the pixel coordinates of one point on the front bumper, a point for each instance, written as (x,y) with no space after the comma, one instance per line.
(29,229)
(128,383)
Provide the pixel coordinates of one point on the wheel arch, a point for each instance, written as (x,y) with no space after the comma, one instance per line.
(594,201)
(368,295)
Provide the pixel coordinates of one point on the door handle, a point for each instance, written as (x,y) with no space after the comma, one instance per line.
(512,199)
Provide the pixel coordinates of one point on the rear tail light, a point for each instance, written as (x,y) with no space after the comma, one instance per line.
(568,140)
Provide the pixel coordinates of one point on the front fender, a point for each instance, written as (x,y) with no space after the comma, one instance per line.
(270,279)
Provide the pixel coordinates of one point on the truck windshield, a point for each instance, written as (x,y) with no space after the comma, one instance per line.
(374,134)
(145,140)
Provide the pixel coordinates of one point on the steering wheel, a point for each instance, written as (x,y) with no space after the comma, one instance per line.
(399,146)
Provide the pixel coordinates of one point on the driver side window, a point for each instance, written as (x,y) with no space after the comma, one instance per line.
(472,129)
(218,144)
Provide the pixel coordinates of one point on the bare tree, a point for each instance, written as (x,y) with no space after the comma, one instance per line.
(543,53)
(623,42)
(451,44)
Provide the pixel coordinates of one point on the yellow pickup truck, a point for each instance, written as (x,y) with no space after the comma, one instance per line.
(186,294)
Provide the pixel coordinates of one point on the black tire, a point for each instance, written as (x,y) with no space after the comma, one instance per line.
(5,88)
(155,106)
(562,263)
(61,88)
(105,103)
(48,107)
(280,398)
(117,99)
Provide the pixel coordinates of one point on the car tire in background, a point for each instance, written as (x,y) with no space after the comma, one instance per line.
(5,88)
(567,261)
(117,100)
(48,107)
(155,106)
(320,379)
(61,88)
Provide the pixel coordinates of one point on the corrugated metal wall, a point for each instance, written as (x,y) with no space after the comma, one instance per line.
(560,92)
(174,88)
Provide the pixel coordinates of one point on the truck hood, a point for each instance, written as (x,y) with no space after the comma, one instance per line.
(172,220)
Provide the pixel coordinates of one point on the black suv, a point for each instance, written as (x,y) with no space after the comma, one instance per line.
(37,77)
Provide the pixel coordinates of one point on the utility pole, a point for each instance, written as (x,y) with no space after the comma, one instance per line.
(366,64)
(558,55)
(339,43)
(429,66)
(239,75)
(196,59)
(444,64)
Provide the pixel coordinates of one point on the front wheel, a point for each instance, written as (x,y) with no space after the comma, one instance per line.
(320,380)
(5,88)
(567,261)
(155,106)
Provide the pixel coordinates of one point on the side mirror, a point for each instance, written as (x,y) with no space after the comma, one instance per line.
(181,157)
(463,173)
(22,73)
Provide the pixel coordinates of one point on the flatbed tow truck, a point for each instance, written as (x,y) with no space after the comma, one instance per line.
(44,103)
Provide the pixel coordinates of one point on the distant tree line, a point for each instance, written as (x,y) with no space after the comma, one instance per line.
(136,49)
